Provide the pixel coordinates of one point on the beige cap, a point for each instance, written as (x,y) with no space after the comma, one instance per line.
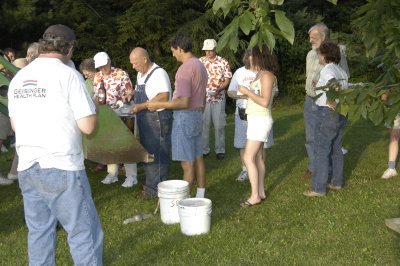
(209,45)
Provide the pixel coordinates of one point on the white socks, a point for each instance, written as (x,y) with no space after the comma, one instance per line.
(200,192)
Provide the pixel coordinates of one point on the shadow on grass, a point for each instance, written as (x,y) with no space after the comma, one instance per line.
(359,135)
(287,152)
(11,217)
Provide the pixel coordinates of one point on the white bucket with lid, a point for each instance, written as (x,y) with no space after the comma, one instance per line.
(169,193)
(195,216)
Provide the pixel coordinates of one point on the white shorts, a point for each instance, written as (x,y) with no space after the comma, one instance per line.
(241,132)
(258,127)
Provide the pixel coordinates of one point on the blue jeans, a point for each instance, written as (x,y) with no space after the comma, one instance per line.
(328,146)
(52,195)
(310,118)
(187,142)
(155,136)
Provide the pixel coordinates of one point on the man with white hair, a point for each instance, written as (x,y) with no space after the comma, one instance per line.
(32,52)
(318,34)
(118,87)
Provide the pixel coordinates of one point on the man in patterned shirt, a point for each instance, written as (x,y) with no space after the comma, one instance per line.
(118,88)
(219,74)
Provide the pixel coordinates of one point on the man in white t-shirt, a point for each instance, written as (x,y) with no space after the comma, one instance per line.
(49,110)
(243,76)
(154,127)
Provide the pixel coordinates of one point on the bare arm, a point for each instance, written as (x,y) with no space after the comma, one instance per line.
(12,124)
(178,103)
(233,95)
(161,97)
(87,124)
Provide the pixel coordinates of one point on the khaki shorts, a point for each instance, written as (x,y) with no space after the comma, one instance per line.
(5,126)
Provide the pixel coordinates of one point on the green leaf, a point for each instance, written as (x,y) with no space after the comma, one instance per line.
(285,25)
(224,5)
(397,51)
(246,22)
(270,39)
(233,36)
(223,41)
(276,2)
(217,5)
(254,39)
(229,36)
(332,1)
(377,116)
(364,111)
(375,105)
(343,108)
(361,98)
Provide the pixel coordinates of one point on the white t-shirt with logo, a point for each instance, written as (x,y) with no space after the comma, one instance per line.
(241,77)
(158,82)
(45,100)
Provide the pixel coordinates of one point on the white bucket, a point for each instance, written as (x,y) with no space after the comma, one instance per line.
(169,193)
(195,216)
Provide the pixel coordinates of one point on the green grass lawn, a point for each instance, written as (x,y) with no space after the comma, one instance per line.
(344,228)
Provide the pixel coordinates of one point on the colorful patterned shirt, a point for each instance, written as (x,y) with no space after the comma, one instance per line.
(218,70)
(117,85)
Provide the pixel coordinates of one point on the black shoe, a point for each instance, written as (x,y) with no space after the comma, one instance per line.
(220,156)
(206,154)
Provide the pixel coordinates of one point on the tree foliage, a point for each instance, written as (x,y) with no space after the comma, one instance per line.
(264,21)
(253,18)
(378,101)
(118,26)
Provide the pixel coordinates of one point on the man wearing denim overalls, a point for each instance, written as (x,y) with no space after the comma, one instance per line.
(153,84)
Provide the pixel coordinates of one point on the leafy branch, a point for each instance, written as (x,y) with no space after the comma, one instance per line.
(261,20)
(376,102)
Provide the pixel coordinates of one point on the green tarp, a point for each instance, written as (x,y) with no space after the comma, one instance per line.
(113,142)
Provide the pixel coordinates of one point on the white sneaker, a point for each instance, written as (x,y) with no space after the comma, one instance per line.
(344,151)
(3,148)
(389,173)
(109,179)
(243,176)
(130,181)
(12,176)
(5,181)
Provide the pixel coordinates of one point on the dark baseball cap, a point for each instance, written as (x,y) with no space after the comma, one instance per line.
(59,32)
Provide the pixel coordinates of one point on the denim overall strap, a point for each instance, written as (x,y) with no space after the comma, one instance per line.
(140,92)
